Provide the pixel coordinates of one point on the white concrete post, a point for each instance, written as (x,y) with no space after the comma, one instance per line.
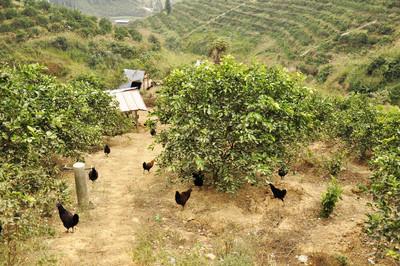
(80,184)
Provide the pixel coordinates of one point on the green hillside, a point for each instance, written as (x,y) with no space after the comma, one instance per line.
(318,38)
(70,44)
(113,8)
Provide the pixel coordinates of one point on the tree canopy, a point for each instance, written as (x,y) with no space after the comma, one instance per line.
(232,120)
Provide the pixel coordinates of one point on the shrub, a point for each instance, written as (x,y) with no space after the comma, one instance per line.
(135,35)
(105,26)
(324,73)
(330,198)
(10,13)
(394,95)
(124,50)
(383,223)
(21,36)
(22,23)
(29,11)
(6,3)
(355,121)
(120,33)
(393,70)
(335,164)
(155,43)
(60,43)
(252,116)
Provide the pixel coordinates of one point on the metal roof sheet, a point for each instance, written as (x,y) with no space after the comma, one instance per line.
(132,75)
(129,99)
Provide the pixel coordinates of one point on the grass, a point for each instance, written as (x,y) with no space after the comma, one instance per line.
(281,31)
(158,245)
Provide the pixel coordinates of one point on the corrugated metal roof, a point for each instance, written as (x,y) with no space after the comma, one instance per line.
(132,75)
(129,99)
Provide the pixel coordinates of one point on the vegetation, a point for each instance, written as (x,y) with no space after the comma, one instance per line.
(107,8)
(319,38)
(41,121)
(330,198)
(251,116)
(168,6)
(57,37)
(384,223)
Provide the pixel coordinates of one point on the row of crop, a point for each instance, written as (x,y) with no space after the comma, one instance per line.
(315,17)
(283,19)
(43,120)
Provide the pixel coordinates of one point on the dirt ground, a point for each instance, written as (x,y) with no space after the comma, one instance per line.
(128,204)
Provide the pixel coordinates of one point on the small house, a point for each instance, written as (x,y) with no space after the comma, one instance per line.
(136,79)
(128,94)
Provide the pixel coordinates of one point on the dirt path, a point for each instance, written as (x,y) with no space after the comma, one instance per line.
(106,233)
(129,205)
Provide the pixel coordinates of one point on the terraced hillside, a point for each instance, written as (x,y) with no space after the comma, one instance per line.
(306,34)
(107,8)
(70,43)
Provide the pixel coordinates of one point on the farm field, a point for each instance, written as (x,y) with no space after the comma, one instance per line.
(135,220)
(272,126)
(331,42)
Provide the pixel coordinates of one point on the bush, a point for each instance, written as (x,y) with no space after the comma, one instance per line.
(105,26)
(335,164)
(123,50)
(6,3)
(135,35)
(60,43)
(384,224)
(252,116)
(324,73)
(394,95)
(376,64)
(29,11)
(393,70)
(355,122)
(155,43)
(330,198)
(10,13)
(22,23)
(21,36)
(120,33)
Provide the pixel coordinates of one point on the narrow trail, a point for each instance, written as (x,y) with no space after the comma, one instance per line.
(106,233)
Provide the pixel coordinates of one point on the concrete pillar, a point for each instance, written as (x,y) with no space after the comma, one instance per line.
(80,184)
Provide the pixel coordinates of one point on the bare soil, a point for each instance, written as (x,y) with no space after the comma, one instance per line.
(126,202)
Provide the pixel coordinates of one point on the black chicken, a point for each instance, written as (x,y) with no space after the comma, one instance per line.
(68,220)
(147,166)
(283,170)
(153,132)
(278,193)
(182,198)
(198,178)
(107,150)
(93,174)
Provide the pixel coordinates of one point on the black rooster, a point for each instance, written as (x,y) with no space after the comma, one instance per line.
(107,150)
(182,198)
(147,166)
(153,132)
(278,193)
(93,174)
(198,178)
(68,220)
(283,170)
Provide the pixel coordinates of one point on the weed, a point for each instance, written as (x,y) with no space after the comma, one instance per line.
(330,198)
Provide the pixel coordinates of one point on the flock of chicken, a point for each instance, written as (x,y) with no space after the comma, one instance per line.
(70,220)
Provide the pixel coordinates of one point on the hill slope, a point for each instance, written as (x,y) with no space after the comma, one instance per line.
(315,37)
(112,8)
(70,43)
